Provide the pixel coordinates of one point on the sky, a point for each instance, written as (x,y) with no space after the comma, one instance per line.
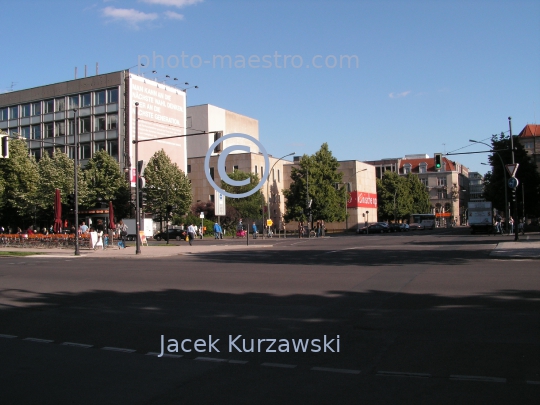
(373,79)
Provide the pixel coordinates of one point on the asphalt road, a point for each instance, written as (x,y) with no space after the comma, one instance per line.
(421,317)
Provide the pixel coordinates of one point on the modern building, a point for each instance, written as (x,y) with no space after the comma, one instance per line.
(103,109)
(528,138)
(448,186)
(476,187)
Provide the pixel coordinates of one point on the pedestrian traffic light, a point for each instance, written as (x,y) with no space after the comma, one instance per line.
(71,200)
(438,160)
(4,145)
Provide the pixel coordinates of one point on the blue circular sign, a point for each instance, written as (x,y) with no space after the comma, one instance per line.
(513,182)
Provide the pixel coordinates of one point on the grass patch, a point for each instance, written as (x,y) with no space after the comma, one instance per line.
(20,253)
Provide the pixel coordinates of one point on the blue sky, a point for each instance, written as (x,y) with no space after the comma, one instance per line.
(424,76)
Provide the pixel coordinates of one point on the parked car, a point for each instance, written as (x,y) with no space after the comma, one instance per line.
(399,227)
(177,234)
(414,226)
(379,227)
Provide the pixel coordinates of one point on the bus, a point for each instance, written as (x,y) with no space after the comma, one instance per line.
(423,221)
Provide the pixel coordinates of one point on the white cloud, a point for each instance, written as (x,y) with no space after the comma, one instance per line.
(128,14)
(174,3)
(174,16)
(399,95)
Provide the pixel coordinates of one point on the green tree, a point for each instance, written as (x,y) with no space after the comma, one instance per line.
(246,207)
(419,194)
(105,182)
(20,186)
(394,197)
(166,185)
(327,201)
(527,174)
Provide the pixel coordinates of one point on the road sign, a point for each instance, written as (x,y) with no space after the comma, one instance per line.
(201,215)
(269,222)
(219,204)
(513,182)
(512,169)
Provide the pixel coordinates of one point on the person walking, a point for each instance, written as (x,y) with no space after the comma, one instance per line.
(217,231)
(254,228)
(191,233)
(99,229)
(121,228)
(300,229)
(511,225)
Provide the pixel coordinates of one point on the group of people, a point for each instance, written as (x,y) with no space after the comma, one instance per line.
(500,225)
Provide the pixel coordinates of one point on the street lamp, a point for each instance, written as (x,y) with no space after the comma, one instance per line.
(268,186)
(137,208)
(504,173)
(75,185)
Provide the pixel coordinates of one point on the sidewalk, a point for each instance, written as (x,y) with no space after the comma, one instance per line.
(517,250)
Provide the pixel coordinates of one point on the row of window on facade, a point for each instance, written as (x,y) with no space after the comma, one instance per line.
(85,149)
(59,128)
(422,168)
(101,97)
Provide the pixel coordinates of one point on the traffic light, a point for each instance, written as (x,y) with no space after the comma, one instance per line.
(4,145)
(142,198)
(71,200)
(438,160)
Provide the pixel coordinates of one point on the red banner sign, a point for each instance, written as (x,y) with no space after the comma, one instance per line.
(360,199)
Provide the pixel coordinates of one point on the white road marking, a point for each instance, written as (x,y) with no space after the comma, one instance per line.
(7,336)
(118,349)
(336,370)
(279,365)
(172,356)
(81,345)
(403,374)
(39,340)
(477,378)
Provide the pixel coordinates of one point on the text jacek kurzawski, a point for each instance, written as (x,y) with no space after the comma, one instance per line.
(238,344)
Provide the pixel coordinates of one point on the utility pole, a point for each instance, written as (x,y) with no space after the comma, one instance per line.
(514,200)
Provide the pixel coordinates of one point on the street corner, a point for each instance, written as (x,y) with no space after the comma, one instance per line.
(516,250)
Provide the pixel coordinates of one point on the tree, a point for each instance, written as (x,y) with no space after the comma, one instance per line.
(246,207)
(419,194)
(527,174)
(394,197)
(327,200)
(105,182)
(20,186)
(166,185)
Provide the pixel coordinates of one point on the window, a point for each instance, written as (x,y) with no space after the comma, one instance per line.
(112,148)
(273,175)
(60,128)
(49,151)
(256,169)
(441,181)
(424,182)
(71,127)
(441,194)
(112,96)
(99,123)
(99,97)
(49,130)
(36,132)
(422,168)
(49,106)
(189,168)
(407,168)
(13,112)
(86,100)
(212,173)
(25,110)
(278,178)
(99,146)
(36,153)
(112,121)
(84,125)
(211,197)
(60,104)
(3,114)
(36,108)
(235,168)
(25,132)
(85,151)
(73,101)
(69,152)
(217,135)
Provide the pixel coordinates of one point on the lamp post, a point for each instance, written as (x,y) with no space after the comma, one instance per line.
(75,178)
(514,199)
(505,182)
(268,186)
(137,208)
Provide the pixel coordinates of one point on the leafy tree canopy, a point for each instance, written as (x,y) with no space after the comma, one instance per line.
(246,207)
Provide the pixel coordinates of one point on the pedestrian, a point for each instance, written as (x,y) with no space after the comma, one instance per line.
(254,228)
(521,227)
(192,231)
(318,229)
(300,229)
(83,228)
(511,225)
(99,230)
(121,228)
(217,231)
(498,224)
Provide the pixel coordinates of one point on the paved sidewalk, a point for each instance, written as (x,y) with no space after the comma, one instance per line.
(517,250)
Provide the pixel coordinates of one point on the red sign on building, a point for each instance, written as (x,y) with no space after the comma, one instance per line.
(361,199)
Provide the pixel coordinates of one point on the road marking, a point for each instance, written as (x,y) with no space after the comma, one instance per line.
(279,365)
(118,349)
(477,378)
(336,370)
(211,359)
(403,374)
(7,336)
(81,345)
(172,356)
(39,340)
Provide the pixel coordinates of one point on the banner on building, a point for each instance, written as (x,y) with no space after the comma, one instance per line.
(360,199)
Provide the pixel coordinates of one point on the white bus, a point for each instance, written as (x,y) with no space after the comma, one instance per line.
(422,221)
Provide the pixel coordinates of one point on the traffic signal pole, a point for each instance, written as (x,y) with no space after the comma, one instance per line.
(137,208)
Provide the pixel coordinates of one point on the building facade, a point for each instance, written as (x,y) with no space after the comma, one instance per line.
(528,137)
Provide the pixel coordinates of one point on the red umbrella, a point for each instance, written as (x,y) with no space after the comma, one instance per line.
(57,212)
(111,216)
